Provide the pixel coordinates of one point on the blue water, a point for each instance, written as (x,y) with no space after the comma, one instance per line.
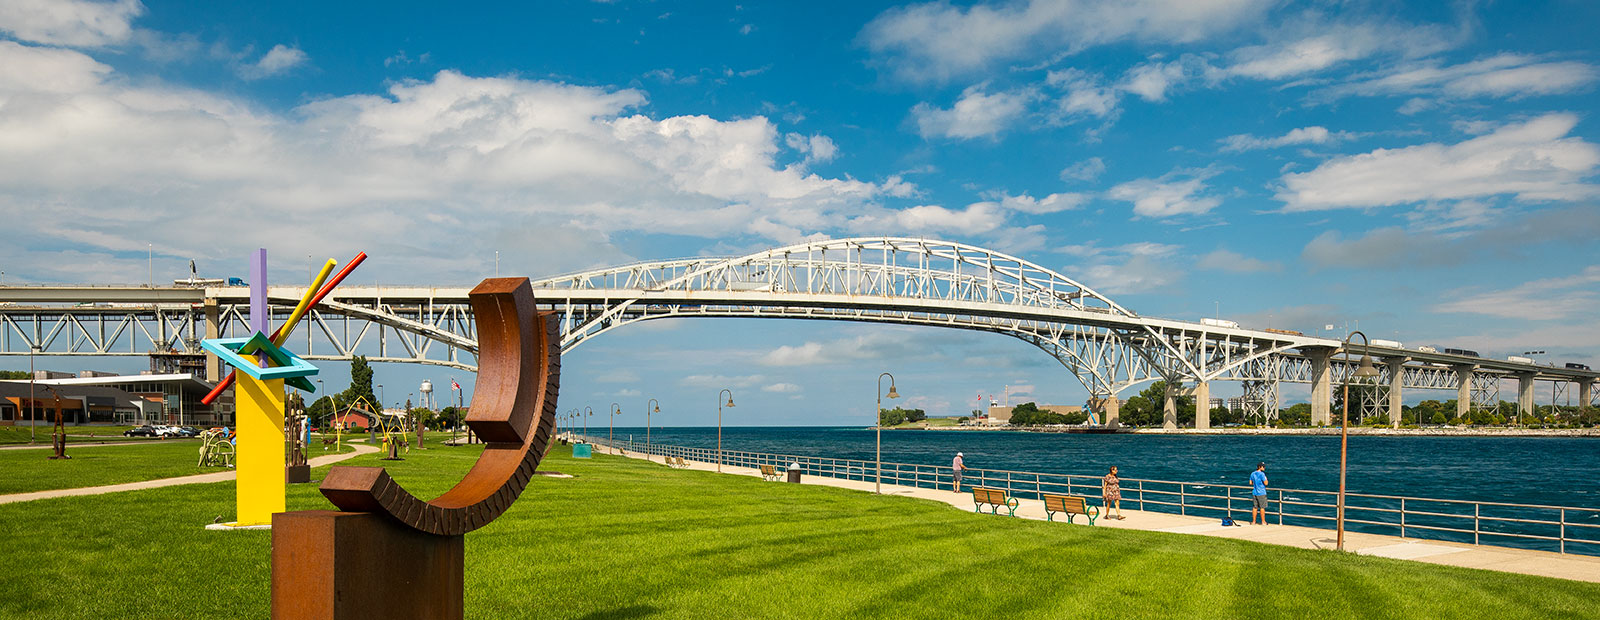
(1520,470)
(1524,470)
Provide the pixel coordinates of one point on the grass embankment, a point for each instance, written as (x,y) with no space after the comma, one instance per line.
(628,539)
(929,423)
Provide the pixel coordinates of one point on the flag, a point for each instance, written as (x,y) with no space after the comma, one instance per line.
(455,386)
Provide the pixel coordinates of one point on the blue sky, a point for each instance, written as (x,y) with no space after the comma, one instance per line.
(1424,171)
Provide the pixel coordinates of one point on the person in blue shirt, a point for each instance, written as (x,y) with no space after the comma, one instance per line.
(1258,494)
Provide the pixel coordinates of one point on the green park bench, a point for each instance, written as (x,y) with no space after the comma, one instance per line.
(995,498)
(1070,505)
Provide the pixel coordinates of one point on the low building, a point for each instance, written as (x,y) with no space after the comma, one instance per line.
(172,399)
(22,404)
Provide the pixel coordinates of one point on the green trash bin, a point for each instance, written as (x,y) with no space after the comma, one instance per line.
(582,451)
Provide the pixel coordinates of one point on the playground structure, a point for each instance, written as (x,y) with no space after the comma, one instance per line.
(388,554)
(216,448)
(262,368)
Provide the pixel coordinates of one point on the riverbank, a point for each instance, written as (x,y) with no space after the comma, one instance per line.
(1449,431)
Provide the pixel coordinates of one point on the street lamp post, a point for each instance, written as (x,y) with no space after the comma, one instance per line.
(380,398)
(877,485)
(719,425)
(586,413)
(611,431)
(1364,371)
(653,405)
(33,377)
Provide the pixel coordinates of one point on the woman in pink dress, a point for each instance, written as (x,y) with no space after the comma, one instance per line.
(1111,492)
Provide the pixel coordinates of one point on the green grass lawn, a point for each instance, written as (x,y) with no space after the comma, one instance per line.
(30,470)
(930,423)
(628,539)
(75,434)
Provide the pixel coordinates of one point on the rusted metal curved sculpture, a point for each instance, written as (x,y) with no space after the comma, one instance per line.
(514,412)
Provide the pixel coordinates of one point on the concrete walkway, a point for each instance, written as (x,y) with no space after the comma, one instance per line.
(221,476)
(1527,562)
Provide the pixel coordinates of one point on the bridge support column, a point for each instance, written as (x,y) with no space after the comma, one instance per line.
(1321,385)
(1109,409)
(1202,404)
(213,330)
(1169,407)
(1396,406)
(1463,390)
(1585,393)
(1524,395)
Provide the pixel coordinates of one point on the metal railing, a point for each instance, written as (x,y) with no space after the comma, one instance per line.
(1563,529)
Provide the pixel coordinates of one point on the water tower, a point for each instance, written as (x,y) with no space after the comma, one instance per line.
(427,393)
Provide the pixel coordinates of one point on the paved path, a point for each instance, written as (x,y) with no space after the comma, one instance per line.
(221,476)
(1524,561)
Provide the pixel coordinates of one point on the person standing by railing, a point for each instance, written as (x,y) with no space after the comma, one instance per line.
(1258,494)
(1111,494)
(957,466)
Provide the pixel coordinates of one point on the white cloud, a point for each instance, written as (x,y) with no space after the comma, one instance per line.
(1223,259)
(499,160)
(1086,170)
(1131,268)
(1053,203)
(1084,96)
(939,40)
(1312,45)
(817,148)
(781,388)
(75,23)
(277,61)
(1505,75)
(1304,135)
(876,345)
(1434,244)
(1161,198)
(976,219)
(721,381)
(975,115)
(1544,299)
(1533,160)
(1152,80)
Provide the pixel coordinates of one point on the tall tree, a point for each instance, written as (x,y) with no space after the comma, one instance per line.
(360,384)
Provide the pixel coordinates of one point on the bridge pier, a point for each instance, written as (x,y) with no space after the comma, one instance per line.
(1397,372)
(1109,409)
(1524,395)
(1169,407)
(1202,404)
(1321,385)
(1585,393)
(1464,390)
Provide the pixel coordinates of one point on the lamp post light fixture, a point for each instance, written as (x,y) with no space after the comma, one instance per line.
(587,412)
(649,406)
(611,431)
(877,485)
(719,424)
(1364,371)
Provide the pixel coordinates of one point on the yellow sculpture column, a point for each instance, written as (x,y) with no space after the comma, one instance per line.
(259,458)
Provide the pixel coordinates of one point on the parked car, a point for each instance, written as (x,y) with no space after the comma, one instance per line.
(187,431)
(142,431)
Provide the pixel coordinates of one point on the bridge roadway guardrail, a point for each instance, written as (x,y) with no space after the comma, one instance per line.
(1562,529)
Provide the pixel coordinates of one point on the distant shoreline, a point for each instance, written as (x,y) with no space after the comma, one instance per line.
(1325,431)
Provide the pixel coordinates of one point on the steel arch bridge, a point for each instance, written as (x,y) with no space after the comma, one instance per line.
(916,282)
(906,281)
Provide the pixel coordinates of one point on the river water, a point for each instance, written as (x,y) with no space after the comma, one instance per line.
(1554,471)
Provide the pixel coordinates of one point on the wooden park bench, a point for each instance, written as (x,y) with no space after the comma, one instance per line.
(1070,505)
(770,473)
(677,461)
(995,498)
